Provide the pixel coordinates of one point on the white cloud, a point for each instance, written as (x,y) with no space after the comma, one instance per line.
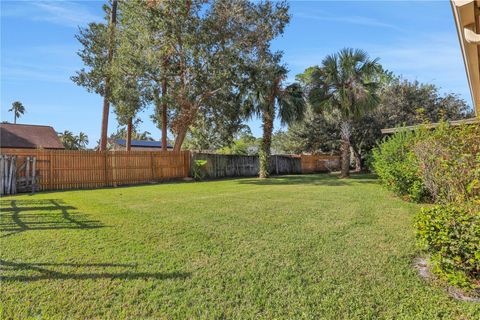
(356,20)
(65,13)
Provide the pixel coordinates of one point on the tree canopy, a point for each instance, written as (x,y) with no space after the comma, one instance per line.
(198,49)
(401,102)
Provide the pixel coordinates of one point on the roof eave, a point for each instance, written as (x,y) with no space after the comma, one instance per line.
(466,15)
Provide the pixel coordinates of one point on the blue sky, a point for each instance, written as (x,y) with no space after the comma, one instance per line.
(38,52)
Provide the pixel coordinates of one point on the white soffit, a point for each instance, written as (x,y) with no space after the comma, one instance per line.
(467,20)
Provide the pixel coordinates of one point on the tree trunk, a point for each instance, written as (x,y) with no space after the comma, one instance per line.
(14,118)
(182,133)
(268,116)
(266,144)
(345,132)
(164,116)
(128,144)
(106,103)
(357,159)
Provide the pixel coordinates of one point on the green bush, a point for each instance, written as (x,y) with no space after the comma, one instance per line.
(451,235)
(449,159)
(442,165)
(198,169)
(398,168)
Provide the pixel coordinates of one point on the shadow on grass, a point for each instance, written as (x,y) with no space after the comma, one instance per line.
(42,273)
(51,214)
(313,179)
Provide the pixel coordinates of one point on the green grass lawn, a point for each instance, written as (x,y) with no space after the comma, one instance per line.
(308,246)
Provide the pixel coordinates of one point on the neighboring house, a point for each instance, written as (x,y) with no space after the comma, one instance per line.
(139,145)
(28,136)
(467,19)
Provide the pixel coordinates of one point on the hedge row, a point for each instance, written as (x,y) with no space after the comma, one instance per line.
(441,166)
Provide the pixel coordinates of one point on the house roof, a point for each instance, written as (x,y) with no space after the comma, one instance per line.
(142,143)
(28,136)
(466,14)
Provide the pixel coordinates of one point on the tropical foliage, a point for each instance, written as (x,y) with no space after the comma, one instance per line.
(269,98)
(401,103)
(73,142)
(198,169)
(18,110)
(246,144)
(347,85)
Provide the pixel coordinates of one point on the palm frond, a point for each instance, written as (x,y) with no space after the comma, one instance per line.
(291,104)
(347,83)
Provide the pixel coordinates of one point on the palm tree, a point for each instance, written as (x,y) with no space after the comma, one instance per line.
(18,110)
(82,140)
(68,140)
(346,83)
(270,98)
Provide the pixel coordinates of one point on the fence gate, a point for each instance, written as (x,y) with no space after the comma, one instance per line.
(18,174)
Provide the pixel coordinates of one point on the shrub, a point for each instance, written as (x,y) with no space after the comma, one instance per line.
(451,235)
(198,169)
(398,168)
(449,159)
(442,165)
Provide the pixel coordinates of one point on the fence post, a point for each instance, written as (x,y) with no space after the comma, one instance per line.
(27,171)
(12,172)
(1,174)
(114,169)
(276,164)
(34,174)
(105,167)
(50,171)
(14,176)
(152,166)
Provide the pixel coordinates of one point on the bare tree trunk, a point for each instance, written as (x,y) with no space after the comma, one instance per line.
(128,144)
(345,132)
(106,102)
(164,116)
(14,118)
(179,139)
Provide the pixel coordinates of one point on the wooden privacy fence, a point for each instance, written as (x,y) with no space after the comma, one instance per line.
(62,169)
(220,165)
(320,163)
(8,176)
(285,164)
